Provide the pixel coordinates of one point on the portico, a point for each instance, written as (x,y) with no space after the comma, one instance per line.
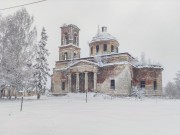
(82,78)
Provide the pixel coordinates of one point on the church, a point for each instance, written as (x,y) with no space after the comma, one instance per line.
(104,71)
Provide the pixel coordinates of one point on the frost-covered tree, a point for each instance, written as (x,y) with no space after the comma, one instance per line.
(138,92)
(17,49)
(41,66)
(177,80)
(172,89)
(143,58)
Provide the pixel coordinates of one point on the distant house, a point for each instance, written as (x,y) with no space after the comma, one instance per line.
(105,70)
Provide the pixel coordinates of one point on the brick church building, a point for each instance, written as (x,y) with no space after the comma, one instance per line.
(105,70)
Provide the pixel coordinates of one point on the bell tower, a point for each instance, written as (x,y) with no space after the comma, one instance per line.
(69,48)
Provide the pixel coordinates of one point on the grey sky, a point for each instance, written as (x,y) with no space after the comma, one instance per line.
(140,26)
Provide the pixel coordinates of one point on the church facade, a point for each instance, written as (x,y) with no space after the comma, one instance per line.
(105,70)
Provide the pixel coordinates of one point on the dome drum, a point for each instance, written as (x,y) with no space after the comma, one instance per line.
(103,43)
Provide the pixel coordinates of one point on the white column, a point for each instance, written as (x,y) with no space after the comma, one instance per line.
(95,81)
(86,81)
(77,82)
(69,82)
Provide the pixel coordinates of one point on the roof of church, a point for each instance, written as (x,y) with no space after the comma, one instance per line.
(70,25)
(104,55)
(102,36)
(96,60)
(68,45)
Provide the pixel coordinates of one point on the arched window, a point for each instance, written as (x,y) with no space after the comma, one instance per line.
(117,49)
(112,48)
(91,50)
(97,49)
(112,85)
(63,86)
(143,84)
(155,85)
(66,38)
(65,56)
(105,47)
(74,55)
(75,39)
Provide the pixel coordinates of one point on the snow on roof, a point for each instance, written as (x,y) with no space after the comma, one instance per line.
(116,63)
(69,25)
(101,36)
(100,63)
(70,44)
(101,55)
(148,66)
(136,66)
(114,54)
(139,64)
(60,69)
(72,64)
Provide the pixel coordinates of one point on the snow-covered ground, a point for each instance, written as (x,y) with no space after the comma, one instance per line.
(71,115)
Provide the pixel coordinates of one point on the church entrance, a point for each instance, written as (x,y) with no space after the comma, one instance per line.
(73,82)
(90,82)
(80,82)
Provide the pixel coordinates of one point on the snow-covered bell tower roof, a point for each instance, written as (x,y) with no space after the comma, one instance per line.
(102,35)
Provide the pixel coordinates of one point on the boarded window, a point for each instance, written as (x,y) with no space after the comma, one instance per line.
(155,85)
(112,84)
(143,84)
(63,85)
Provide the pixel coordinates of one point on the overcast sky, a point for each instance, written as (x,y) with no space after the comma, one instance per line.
(152,27)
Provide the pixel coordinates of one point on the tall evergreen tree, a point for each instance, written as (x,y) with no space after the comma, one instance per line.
(41,66)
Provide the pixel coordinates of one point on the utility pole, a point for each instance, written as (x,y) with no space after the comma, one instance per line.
(86,96)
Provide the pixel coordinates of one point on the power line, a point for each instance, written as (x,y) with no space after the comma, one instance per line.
(23,5)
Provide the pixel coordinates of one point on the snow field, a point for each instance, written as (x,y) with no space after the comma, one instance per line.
(71,115)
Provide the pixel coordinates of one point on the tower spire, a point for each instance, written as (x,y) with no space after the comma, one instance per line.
(98,32)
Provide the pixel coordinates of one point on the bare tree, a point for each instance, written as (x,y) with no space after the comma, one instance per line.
(138,92)
(17,40)
(177,80)
(172,89)
(143,58)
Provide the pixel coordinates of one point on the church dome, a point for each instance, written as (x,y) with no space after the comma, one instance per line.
(103,35)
